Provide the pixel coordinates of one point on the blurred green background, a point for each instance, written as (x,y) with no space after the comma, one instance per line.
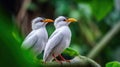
(95,35)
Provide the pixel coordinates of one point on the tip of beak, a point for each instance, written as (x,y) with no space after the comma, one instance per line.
(72,20)
(48,20)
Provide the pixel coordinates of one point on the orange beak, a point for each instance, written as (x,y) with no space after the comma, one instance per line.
(71,20)
(48,20)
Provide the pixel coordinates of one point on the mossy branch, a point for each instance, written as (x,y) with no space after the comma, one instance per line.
(79,61)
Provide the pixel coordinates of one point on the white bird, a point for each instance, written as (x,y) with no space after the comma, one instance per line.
(59,40)
(38,37)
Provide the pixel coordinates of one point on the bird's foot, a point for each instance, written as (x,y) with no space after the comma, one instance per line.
(63,59)
(57,59)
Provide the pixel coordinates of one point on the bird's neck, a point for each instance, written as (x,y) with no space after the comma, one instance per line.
(43,27)
(62,25)
(58,27)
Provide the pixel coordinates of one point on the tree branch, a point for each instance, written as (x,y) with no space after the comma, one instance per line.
(96,50)
(22,17)
(78,61)
(22,10)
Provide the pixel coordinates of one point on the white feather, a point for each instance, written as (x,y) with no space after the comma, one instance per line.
(58,41)
(37,39)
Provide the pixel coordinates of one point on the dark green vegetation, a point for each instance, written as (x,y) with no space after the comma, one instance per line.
(95,35)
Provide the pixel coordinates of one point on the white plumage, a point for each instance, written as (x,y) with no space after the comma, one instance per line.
(37,38)
(59,40)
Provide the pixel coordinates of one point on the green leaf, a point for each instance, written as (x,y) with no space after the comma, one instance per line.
(101,8)
(11,53)
(71,52)
(113,64)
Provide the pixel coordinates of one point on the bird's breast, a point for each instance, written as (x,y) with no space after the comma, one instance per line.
(66,36)
(66,31)
(42,33)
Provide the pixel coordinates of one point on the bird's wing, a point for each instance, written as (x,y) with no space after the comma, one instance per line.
(31,33)
(56,31)
(29,41)
(52,43)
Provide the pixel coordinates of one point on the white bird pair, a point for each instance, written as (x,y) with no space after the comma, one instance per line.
(37,40)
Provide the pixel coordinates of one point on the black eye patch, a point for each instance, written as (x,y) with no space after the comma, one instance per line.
(41,20)
(64,19)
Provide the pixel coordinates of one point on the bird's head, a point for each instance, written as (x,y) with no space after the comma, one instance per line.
(63,21)
(40,22)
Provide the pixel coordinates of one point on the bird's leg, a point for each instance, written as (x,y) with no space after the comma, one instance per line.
(64,58)
(56,59)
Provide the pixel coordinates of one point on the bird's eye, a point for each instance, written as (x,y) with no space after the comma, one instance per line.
(64,19)
(41,20)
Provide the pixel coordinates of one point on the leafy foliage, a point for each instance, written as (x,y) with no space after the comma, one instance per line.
(113,64)
(10,51)
(95,19)
(101,8)
(71,52)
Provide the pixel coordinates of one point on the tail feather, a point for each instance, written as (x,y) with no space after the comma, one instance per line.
(48,58)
